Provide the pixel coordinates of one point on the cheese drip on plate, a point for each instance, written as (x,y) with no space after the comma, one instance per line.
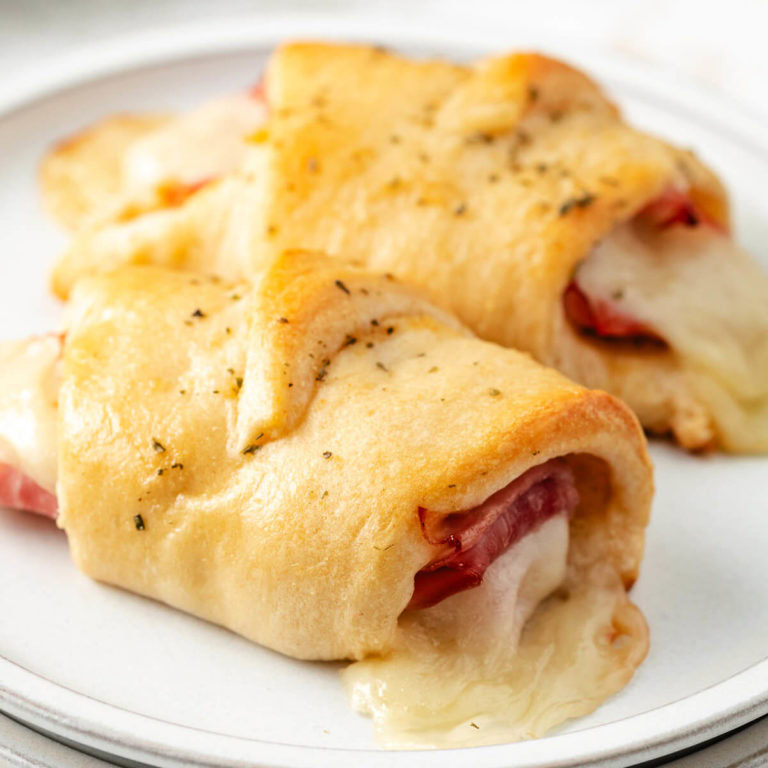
(708,300)
(29,391)
(470,670)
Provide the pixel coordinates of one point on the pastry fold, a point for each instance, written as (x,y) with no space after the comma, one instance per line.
(128,165)
(286,458)
(490,186)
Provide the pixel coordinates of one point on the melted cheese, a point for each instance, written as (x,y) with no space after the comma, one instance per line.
(197,146)
(462,673)
(709,300)
(29,386)
(488,666)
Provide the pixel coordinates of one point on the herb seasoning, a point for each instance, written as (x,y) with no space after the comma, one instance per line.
(343,287)
(481,137)
(577,202)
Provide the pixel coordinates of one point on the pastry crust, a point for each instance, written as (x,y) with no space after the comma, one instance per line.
(81,179)
(129,165)
(307,539)
(210,233)
(497,184)
(485,185)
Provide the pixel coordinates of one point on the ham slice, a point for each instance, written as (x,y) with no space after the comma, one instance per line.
(18,491)
(258,91)
(676,207)
(175,193)
(602,318)
(470,541)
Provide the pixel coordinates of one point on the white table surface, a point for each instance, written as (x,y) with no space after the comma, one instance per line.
(720,44)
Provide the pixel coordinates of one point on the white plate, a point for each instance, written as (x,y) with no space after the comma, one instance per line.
(133,678)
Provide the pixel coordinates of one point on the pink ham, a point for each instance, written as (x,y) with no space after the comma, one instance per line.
(470,541)
(258,92)
(175,193)
(603,319)
(18,491)
(674,207)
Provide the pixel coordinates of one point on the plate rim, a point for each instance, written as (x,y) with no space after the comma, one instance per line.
(731,702)
(199,748)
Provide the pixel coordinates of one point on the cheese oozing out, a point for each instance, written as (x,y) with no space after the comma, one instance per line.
(495,664)
(531,642)
(434,684)
(29,391)
(695,289)
(194,148)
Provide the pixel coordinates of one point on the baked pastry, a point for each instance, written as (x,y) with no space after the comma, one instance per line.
(513,192)
(330,466)
(131,164)
(29,394)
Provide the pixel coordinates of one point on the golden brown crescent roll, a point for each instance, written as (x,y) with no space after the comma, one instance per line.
(513,192)
(131,164)
(83,175)
(330,466)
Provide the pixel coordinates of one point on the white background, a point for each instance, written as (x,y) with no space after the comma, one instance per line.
(723,44)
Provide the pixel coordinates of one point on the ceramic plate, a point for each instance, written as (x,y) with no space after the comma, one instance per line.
(117,673)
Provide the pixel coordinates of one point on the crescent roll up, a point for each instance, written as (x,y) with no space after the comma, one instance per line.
(514,193)
(128,165)
(330,466)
